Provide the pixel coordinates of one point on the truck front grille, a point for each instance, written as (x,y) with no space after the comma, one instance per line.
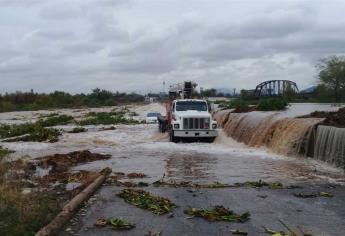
(196,123)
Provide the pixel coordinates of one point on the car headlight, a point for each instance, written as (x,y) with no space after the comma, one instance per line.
(214,126)
(176,126)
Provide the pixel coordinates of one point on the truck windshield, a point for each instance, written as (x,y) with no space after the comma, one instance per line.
(191,105)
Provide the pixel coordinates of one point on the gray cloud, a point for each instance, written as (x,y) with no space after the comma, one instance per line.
(136,45)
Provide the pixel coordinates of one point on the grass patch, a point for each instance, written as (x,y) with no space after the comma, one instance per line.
(218,213)
(144,200)
(28,132)
(56,120)
(106,118)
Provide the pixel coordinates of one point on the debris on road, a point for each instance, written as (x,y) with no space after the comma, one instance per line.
(251,184)
(260,184)
(77,130)
(62,162)
(102,222)
(218,213)
(144,200)
(136,175)
(118,224)
(276,233)
(313,195)
(238,232)
(305,195)
(153,234)
(325,194)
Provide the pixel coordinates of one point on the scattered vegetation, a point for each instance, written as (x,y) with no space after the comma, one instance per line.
(106,118)
(272,104)
(77,130)
(25,101)
(4,152)
(28,132)
(218,213)
(260,184)
(55,120)
(144,200)
(22,214)
(115,223)
(235,104)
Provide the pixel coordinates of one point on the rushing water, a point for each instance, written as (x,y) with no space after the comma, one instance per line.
(141,148)
(330,145)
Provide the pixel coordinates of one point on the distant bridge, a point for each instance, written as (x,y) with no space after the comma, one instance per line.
(274,88)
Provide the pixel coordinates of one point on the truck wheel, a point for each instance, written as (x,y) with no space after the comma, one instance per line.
(210,140)
(173,138)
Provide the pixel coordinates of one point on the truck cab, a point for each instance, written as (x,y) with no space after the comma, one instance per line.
(191,119)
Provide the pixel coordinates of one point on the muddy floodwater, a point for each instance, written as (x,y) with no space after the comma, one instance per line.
(141,148)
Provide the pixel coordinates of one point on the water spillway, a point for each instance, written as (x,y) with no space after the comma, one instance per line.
(286,135)
(330,145)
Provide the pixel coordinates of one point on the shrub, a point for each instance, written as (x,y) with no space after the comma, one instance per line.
(106,118)
(272,104)
(56,120)
(29,132)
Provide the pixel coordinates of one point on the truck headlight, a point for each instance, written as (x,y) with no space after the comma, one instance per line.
(176,126)
(214,126)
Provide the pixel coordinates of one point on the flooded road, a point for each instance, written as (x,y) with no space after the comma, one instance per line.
(141,148)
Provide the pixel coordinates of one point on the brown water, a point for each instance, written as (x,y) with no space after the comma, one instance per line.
(279,131)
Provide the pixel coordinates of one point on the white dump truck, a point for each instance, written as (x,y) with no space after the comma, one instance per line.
(187,118)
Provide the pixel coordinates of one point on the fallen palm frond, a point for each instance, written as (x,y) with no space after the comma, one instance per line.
(115,223)
(144,200)
(218,213)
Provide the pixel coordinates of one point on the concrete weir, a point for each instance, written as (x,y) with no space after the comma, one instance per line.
(286,135)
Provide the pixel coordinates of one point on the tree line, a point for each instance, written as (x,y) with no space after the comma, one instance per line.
(22,101)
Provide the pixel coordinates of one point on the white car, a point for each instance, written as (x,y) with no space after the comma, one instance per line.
(152,117)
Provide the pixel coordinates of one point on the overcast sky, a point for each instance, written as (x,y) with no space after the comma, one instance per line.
(135,45)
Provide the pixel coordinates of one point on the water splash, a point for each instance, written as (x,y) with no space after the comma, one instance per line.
(330,145)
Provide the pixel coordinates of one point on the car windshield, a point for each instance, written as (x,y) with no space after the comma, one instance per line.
(152,114)
(191,105)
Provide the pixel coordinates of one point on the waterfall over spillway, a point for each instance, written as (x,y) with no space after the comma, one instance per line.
(330,145)
(288,136)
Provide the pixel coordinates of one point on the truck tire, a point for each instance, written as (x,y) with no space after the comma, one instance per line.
(210,139)
(173,138)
